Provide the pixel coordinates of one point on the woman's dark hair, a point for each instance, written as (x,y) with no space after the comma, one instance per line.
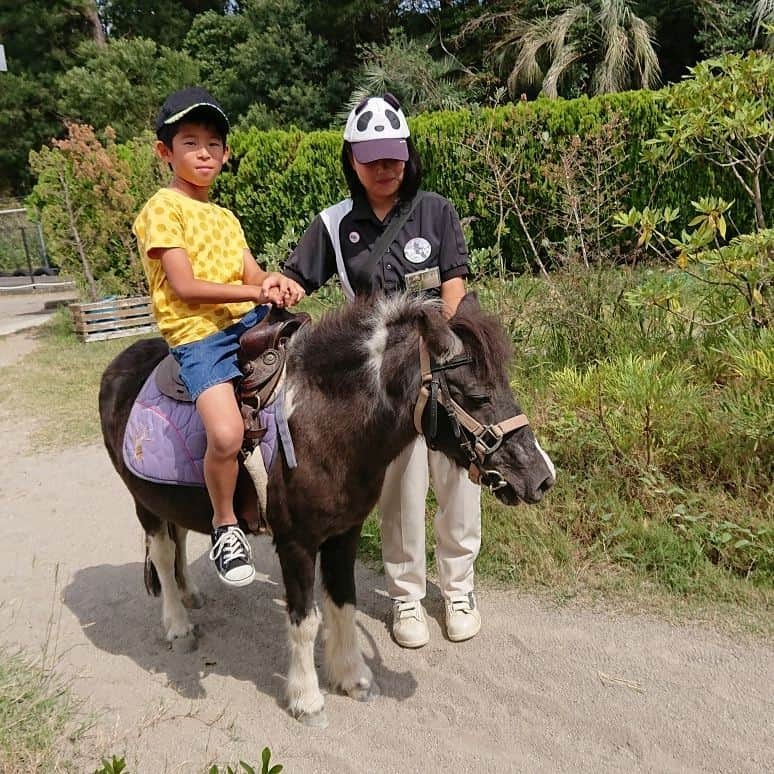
(412,173)
(204,116)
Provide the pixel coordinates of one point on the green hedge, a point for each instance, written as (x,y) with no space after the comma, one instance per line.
(282,178)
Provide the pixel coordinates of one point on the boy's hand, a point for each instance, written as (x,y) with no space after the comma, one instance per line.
(272,296)
(281,290)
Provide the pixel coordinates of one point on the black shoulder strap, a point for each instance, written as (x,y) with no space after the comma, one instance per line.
(382,245)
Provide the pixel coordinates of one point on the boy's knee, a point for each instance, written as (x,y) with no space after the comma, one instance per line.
(225,440)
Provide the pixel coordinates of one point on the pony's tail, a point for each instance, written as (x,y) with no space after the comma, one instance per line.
(150,575)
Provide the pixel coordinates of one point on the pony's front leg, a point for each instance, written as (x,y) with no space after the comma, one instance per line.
(189,592)
(345,666)
(161,551)
(305,701)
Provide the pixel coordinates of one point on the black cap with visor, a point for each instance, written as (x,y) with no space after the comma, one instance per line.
(181,103)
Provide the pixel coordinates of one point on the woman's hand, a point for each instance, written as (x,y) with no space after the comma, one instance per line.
(281,290)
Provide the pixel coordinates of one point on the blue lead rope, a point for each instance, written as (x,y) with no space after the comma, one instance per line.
(284,431)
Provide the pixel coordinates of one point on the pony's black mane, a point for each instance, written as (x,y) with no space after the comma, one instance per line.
(485,341)
(336,342)
(331,345)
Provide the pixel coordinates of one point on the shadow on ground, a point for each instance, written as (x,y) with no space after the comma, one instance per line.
(241,632)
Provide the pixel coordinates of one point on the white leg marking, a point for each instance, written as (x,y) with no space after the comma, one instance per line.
(344,663)
(303,690)
(161,549)
(191,597)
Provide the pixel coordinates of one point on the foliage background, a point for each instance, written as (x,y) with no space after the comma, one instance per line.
(273,63)
(608,233)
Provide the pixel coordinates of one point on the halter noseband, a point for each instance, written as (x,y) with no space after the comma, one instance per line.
(486,439)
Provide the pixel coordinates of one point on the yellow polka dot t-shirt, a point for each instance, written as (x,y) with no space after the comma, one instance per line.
(215,244)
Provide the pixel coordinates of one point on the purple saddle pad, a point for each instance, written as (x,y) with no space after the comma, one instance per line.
(165,440)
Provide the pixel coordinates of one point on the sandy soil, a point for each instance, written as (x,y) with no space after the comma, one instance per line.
(540,689)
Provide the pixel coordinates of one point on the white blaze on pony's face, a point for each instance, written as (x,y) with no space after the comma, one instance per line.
(549,464)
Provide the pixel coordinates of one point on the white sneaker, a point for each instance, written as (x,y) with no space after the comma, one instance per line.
(409,624)
(463,620)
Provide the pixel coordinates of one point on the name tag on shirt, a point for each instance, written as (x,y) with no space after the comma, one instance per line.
(426,279)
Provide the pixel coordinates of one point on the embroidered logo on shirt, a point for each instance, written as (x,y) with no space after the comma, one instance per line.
(354,237)
(417,250)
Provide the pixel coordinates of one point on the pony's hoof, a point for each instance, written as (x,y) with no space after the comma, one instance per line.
(314,719)
(187,644)
(364,693)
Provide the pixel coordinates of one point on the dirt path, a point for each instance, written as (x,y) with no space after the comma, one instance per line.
(540,689)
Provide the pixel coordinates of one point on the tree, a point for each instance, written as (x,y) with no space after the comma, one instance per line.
(347,25)
(691,30)
(267,55)
(165,21)
(723,26)
(91,12)
(602,46)
(27,119)
(40,36)
(724,115)
(123,84)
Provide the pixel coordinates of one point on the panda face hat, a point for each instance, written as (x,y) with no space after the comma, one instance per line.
(377,129)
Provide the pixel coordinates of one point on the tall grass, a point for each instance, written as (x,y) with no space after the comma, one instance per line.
(36,716)
(663,436)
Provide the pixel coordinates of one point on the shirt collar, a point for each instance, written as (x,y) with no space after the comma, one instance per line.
(361,210)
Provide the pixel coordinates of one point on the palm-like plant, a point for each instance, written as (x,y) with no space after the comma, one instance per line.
(606,36)
(405,67)
(763,15)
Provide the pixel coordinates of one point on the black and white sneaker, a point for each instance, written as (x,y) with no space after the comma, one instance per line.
(232,555)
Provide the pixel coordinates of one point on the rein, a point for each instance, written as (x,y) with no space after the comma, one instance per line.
(477,441)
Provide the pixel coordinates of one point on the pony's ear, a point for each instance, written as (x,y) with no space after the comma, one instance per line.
(469,304)
(438,336)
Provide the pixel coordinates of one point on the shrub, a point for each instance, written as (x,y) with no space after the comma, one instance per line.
(83,195)
(505,168)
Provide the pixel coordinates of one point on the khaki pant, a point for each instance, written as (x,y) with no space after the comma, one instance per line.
(402,522)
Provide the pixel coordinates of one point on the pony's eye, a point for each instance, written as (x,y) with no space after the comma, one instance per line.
(479,400)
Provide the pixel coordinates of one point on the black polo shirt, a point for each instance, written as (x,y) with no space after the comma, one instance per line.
(431,237)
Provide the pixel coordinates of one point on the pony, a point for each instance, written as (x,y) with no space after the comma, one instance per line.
(359,385)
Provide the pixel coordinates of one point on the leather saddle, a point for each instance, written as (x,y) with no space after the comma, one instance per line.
(261,358)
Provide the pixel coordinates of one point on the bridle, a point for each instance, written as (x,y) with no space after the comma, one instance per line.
(477,441)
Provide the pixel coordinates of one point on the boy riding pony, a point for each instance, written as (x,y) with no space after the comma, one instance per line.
(206,290)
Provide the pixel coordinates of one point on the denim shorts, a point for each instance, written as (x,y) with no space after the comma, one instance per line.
(213,359)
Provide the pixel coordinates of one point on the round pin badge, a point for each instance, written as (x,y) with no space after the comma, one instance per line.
(417,250)
(354,237)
